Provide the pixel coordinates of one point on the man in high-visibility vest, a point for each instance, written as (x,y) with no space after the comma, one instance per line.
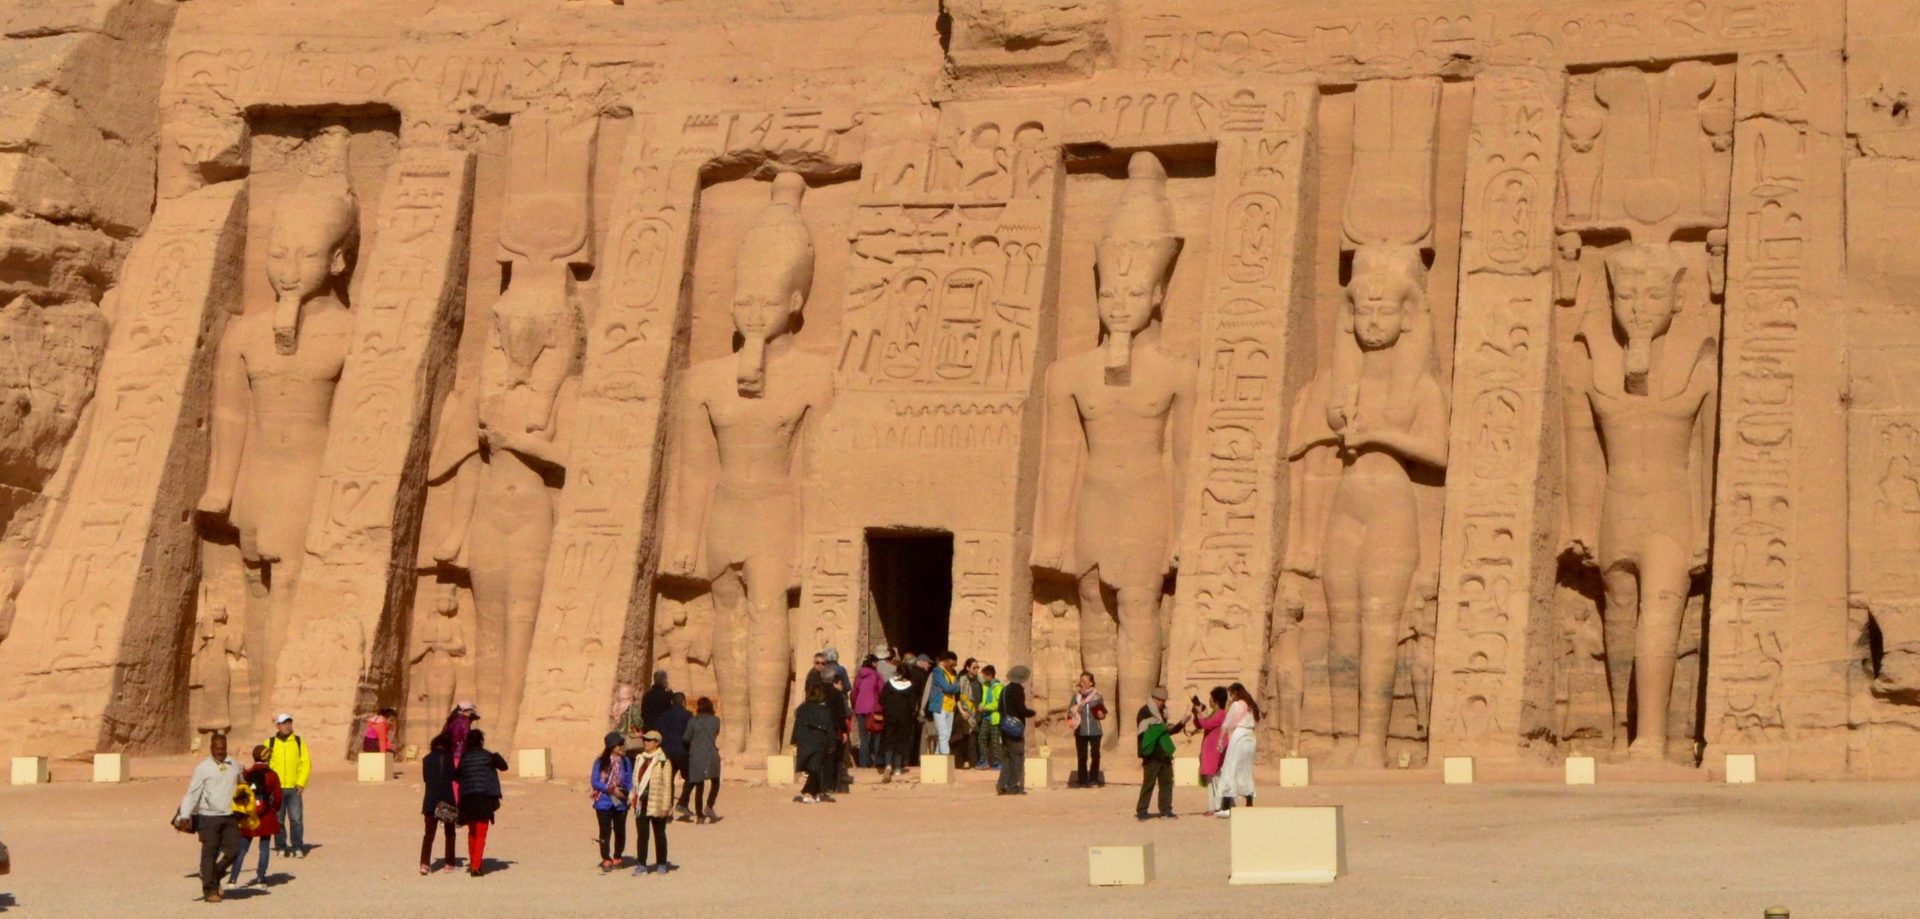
(987,723)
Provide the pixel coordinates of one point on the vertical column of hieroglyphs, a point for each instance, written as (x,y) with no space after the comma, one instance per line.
(93,660)
(601,558)
(1496,554)
(356,585)
(1235,501)
(1778,640)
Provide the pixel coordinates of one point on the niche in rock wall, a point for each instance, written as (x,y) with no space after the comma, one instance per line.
(727,208)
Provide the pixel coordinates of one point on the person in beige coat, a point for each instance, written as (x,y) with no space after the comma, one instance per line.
(652,803)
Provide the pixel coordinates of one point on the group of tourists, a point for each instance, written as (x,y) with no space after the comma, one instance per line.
(660,757)
(233,808)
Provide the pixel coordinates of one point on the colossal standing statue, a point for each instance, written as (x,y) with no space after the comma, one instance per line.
(1113,461)
(1378,413)
(274,381)
(733,518)
(1651,373)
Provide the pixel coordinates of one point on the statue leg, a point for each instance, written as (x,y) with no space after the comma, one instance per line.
(1383,583)
(729,593)
(1663,601)
(522,612)
(282,574)
(1617,618)
(254,633)
(490,593)
(1284,666)
(769,652)
(1099,639)
(1140,646)
(1340,579)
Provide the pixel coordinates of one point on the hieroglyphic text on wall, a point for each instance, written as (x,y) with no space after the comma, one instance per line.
(356,585)
(1496,554)
(94,662)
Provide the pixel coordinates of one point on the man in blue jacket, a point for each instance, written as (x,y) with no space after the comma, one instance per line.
(943,699)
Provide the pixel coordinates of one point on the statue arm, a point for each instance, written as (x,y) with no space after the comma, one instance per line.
(552,449)
(1181,418)
(693,460)
(1310,486)
(1062,449)
(1586,464)
(232,402)
(1425,441)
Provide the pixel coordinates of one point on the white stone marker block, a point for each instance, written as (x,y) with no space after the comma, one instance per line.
(1581,770)
(935,769)
(1039,771)
(1186,772)
(536,763)
(1295,772)
(1120,866)
(111,767)
(780,769)
(1457,770)
(31,770)
(378,767)
(1742,769)
(1287,845)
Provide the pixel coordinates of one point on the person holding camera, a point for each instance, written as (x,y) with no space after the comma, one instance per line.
(207,810)
(1084,715)
(1207,722)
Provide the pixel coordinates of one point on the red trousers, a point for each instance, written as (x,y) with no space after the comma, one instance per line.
(477,845)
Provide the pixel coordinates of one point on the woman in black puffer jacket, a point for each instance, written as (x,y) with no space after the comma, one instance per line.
(480,770)
(437,773)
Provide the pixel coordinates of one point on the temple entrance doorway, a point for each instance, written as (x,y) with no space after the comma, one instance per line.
(909,590)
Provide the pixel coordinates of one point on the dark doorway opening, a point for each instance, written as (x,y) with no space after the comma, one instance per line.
(910,589)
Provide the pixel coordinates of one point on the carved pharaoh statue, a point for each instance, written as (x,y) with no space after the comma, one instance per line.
(1647,528)
(1375,416)
(274,380)
(733,517)
(1114,457)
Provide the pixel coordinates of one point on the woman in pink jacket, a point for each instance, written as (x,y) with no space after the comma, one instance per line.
(866,705)
(1207,723)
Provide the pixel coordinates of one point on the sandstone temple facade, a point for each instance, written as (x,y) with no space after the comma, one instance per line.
(1497,377)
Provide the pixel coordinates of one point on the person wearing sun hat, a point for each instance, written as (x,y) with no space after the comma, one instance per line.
(652,802)
(289,758)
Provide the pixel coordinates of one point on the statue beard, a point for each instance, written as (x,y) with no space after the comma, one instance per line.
(752,371)
(1639,361)
(286,324)
(1119,362)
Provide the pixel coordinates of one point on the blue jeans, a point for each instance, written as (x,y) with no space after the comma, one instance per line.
(266,852)
(867,753)
(292,835)
(943,725)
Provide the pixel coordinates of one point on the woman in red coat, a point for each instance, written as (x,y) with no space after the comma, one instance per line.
(264,821)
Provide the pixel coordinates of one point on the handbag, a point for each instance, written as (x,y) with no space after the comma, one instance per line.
(445,812)
(875,723)
(1100,711)
(1013,727)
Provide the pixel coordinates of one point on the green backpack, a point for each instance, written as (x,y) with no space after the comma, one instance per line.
(1156,740)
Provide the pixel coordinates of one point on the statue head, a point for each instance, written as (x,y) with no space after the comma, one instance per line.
(1645,280)
(771,278)
(1567,246)
(316,228)
(1386,296)
(1134,259)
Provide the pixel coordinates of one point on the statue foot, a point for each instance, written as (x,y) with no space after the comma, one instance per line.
(1647,750)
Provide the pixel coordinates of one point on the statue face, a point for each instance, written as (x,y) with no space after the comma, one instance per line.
(764,305)
(1127,302)
(1380,302)
(1643,303)
(301,259)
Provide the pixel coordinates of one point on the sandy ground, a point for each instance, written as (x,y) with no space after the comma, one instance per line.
(1415,848)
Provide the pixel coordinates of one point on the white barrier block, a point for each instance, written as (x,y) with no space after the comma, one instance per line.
(780,769)
(1287,845)
(1186,772)
(1581,770)
(1742,769)
(378,767)
(111,767)
(936,769)
(1457,770)
(1295,772)
(1120,866)
(31,770)
(1039,771)
(536,763)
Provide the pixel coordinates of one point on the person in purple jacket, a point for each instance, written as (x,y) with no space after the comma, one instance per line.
(612,777)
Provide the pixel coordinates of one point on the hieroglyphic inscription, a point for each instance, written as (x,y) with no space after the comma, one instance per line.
(604,520)
(1249,357)
(1778,577)
(372,477)
(1496,550)
(96,667)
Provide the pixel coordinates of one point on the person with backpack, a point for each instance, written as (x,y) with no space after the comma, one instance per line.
(992,746)
(899,726)
(265,819)
(1014,718)
(288,757)
(437,803)
(1156,753)
(610,778)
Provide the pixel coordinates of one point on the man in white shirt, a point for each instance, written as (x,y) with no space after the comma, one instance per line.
(208,809)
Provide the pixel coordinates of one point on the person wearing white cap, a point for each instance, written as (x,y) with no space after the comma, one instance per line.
(287,755)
